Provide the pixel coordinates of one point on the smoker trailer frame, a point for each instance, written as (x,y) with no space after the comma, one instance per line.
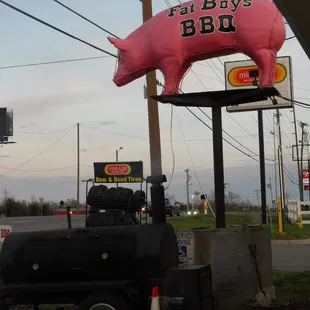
(183,287)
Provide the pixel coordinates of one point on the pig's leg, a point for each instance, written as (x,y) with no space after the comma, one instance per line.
(172,81)
(170,84)
(181,75)
(266,59)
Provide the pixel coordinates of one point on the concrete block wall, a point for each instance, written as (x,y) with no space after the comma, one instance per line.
(233,268)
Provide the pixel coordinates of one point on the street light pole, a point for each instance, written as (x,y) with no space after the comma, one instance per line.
(116,157)
(78,169)
(187,188)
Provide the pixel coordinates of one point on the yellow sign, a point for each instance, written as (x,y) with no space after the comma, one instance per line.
(299,221)
(280,222)
(241,76)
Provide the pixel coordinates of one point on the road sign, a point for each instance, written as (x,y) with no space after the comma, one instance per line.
(186,243)
(305,176)
(119,172)
(5,230)
(237,76)
(307,187)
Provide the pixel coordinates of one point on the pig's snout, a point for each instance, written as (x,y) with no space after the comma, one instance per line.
(117,82)
(122,79)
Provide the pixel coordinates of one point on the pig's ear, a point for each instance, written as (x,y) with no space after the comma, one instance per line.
(122,45)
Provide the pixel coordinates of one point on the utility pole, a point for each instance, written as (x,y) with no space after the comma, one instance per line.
(262,165)
(187,187)
(299,166)
(302,125)
(271,193)
(116,157)
(225,188)
(78,169)
(281,169)
(157,190)
(306,139)
(257,196)
(275,156)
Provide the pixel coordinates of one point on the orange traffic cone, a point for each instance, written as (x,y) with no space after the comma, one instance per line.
(155,299)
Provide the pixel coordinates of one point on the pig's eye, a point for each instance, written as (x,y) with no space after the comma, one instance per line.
(120,58)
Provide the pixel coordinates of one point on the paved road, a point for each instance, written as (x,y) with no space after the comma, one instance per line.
(292,257)
(33,223)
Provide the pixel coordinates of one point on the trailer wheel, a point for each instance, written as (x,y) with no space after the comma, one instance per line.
(103,302)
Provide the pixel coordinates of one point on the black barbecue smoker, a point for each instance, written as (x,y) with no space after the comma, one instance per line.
(114,262)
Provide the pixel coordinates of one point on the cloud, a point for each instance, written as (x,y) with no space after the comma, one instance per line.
(52,100)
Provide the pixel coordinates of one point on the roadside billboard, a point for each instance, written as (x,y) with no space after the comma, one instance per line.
(237,77)
(119,172)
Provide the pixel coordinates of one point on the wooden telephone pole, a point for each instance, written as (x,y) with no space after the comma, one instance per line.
(299,167)
(281,169)
(154,131)
(157,193)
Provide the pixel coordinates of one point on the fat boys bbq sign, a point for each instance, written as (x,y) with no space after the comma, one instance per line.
(206,24)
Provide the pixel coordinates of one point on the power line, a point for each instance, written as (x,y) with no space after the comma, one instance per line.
(299,103)
(172,148)
(228,114)
(292,37)
(189,154)
(37,155)
(238,149)
(229,135)
(289,175)
(160,84)
(51,62)
(85,18)
(145,138)
(76,38)
(55,28)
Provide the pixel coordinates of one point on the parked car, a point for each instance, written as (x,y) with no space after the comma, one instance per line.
(193,212)
(172,207)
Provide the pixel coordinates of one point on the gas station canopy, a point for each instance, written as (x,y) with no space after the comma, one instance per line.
(296,13)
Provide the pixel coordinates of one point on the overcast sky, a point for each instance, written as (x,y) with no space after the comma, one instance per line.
(49,100)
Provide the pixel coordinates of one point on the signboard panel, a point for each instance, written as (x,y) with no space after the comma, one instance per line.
(305,176)
(237,77)
(3,119)
(186,243)
(119,172)
(305,155)
(5,230)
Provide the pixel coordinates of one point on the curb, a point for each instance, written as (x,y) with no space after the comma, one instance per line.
(296,241)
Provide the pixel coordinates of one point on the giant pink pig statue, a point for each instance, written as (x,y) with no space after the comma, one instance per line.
(201,29)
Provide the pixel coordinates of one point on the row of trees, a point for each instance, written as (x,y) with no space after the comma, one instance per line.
(9,206)
(12,207)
